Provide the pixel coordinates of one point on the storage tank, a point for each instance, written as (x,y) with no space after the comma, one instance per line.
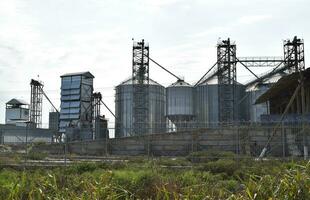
(206,104)
(256,110)
(180,107)
(124,108)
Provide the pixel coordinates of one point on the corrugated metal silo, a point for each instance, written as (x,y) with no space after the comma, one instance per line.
(180,107)
(256,110)
(206,105)
(124,108)
(206,101)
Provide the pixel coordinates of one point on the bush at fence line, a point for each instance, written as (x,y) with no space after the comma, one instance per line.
(167,161)
(36,155)
(209,155)
(225,166)
(5,149)
(80,168)
(39,143)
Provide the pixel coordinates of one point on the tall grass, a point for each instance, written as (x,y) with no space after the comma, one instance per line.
(220,179)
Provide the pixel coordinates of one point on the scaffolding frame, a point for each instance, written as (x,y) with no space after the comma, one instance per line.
(294,55)
(140,82)
(227,78)
(36,97)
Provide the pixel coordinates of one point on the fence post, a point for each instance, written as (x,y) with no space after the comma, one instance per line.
(1,137)
(238,144)
(106,143)
(283,141)
(66,146)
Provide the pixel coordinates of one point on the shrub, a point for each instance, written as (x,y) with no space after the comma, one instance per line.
(81,168)
(36,155)
(221,166)
(172,161)
(211,155)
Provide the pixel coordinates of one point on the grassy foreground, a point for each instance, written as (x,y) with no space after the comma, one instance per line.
(180,178)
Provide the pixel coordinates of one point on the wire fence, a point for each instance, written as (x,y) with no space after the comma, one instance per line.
(245,140)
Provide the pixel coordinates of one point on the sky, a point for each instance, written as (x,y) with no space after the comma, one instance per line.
(45,39)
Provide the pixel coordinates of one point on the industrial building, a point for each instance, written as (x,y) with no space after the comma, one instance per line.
(11,134)
(217,99)
(101,128)
(53,121)
(16,112)
(23,121)
(76,103)
(279,96)
(143,106)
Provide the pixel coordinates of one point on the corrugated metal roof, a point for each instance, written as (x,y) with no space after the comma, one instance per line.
(285,86)
(129,81)
(17,102)
(87,74)
(180,83)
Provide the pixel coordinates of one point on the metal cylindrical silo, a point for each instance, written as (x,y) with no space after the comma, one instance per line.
(206,104)
(180,105)
(256,110)
(124,108)
(240,104)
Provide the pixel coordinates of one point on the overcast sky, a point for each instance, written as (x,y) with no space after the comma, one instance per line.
(52,37)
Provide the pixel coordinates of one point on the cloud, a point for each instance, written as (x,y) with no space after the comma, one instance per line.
(234,24)
(252,19)
(160,3)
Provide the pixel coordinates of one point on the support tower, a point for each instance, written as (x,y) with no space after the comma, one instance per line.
(226,57)
(36,97)
(97,97)
(294,55)
(140,80)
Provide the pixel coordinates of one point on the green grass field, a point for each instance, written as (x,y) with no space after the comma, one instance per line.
(162,178)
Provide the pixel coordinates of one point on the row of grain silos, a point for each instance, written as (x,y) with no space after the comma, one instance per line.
(181,106)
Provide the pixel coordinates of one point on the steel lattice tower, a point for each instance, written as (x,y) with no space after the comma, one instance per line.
(96,106)
(140,81)
(36,97)
(96,101)
(226,56)
(294,55)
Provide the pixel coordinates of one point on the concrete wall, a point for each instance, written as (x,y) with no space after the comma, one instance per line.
(242,140)
(11,134)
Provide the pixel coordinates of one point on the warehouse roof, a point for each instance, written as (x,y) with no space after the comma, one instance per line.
(285,86)
(87,74)
(17,102)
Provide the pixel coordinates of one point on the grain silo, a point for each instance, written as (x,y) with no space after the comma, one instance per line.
(256,110)
(140,101)
(124,109)
(180,107)
(207,104)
